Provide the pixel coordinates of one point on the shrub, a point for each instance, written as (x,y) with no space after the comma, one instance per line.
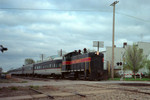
(13,88)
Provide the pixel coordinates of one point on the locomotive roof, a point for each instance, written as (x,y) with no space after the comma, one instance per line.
(59,59)
(71,53)
(76,53)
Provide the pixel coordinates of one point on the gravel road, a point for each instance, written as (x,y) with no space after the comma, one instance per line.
(93,90)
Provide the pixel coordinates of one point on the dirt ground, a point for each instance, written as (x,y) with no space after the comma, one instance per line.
(77,90)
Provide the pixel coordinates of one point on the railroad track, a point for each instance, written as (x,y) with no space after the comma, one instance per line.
(124,89)
(37,78)
(52,97)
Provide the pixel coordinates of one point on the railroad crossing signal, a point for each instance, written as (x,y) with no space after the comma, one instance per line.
(2,49)
(119,63)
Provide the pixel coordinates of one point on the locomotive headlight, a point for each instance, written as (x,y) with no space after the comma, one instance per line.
(97,53)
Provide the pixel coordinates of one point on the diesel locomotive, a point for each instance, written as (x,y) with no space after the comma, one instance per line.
(74,65)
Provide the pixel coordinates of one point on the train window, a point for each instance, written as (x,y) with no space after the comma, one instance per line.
(54,65)
(59,64)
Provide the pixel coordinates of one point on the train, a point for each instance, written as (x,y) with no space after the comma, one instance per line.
(73,65)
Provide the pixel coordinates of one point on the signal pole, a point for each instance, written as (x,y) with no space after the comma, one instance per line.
(112,65)
(42,57)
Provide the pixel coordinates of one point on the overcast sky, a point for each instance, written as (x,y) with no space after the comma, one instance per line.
(68,25)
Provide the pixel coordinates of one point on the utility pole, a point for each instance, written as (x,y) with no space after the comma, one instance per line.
(61,53)
(113,34)
(42,57)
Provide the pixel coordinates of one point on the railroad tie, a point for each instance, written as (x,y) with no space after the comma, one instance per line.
(82,95)
(40,92)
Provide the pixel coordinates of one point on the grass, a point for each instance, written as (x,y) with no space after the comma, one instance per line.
(13,88)
(131,79)
(24,82)
(34,87)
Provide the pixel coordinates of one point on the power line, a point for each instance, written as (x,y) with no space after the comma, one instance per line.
(76,10)
(133,17)
(82,10)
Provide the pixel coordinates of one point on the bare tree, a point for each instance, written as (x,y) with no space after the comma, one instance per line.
(134,59)
(29,61)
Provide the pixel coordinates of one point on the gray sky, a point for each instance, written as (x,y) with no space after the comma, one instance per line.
(68,25)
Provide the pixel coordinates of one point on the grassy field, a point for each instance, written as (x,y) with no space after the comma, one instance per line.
(131,79)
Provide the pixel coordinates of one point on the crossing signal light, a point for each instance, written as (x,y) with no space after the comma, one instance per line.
(2,49)
(119,63)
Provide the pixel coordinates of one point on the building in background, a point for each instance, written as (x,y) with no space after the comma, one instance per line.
(119,53)
(118,59)
(145,47)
